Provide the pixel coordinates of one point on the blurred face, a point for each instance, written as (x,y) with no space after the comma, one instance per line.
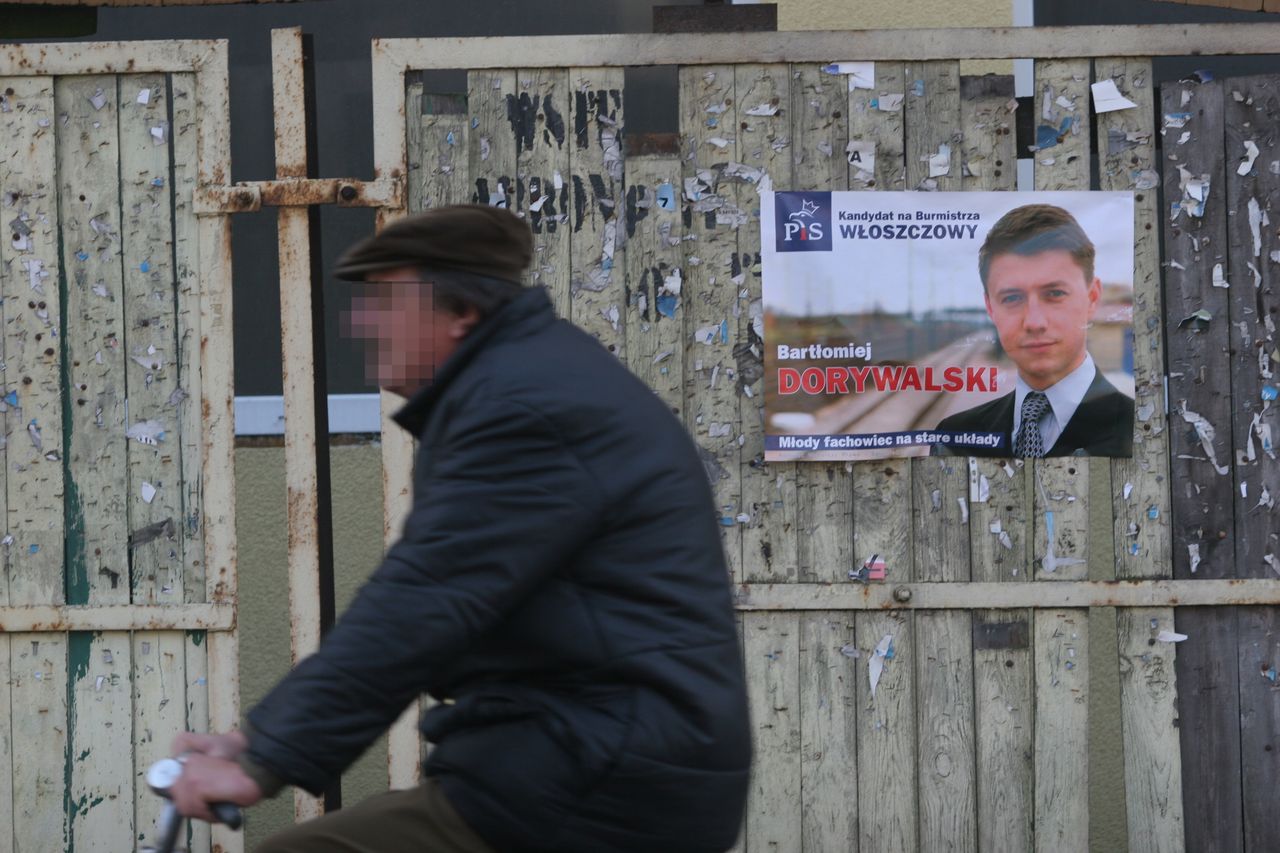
(1042,306)
(406,336)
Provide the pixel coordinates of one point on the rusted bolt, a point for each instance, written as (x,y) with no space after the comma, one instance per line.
(347,193)
(902,595)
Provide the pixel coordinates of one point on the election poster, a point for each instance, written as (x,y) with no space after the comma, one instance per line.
(950,323)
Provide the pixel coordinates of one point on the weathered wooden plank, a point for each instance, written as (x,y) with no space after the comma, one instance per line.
(159,713)
(98,563)
(1253,118)
(6,747)
(1153,777)
(771,646)
(1002,671)
(1201,498)
(1061,524)
(888,817)
(655,339)
(196,675)
(148,296)
(32,313)
(768,490)
(886,747)
(39,695)
(491,144)
(709,119)
(217,403)
(34,484)
(542,191)
(592,204)
(440,145)
(186,400)
(940,524)
(828,731)
(819,46)
(824,491)
(1061,647)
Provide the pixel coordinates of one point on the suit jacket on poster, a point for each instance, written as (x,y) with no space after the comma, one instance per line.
(1101,426)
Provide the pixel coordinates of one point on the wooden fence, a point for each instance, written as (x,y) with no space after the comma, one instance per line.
(117,607)
(118,590)
(976,736)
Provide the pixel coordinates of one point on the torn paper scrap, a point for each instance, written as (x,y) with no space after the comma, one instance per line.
(763,110)
(1107,98)
(862,75)
(1193,551)
(889,103)
(1206,433)
(862,156)
(1219,280)
(939,163)
(875,667)
(1256,220)
(1250,154)
(146,432)
(1170,637)
(148,492)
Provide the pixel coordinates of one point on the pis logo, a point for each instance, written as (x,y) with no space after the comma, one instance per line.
(802,221)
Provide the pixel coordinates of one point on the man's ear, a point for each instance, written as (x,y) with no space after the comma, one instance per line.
(1095,294)
(460,325)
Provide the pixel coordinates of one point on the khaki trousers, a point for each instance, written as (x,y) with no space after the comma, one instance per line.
(419,820)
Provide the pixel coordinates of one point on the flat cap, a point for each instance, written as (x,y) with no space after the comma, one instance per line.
(474,238)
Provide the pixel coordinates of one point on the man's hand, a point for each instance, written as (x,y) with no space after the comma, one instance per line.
(226,747)
(210,773)
(206,780)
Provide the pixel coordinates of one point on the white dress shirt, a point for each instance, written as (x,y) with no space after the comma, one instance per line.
(1064,398)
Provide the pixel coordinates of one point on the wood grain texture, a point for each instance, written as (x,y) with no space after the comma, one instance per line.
(186,403)
(1061,525)
(595,186)
(33,484)
(888,811)
(709,140)
(1061,648)
(542,190)
(1153,774)
(1201,499)
(998,540)
(655,312)
(940,527)
(829,673)
(771,647)
(148,295)
(491,145)
(99,700)
(768,490)
(888,819)
(1254,116)
(824,491)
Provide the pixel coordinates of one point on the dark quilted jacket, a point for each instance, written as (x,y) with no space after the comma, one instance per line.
(561,589)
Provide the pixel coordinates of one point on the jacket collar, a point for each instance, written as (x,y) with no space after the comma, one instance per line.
(524,315)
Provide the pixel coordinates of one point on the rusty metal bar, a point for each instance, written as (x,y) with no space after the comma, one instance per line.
(817,46)
(117,617)
(310,563)
(999,596)
(119,57)
(251,196)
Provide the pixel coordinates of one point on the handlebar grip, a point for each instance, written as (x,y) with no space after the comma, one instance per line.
(228,813)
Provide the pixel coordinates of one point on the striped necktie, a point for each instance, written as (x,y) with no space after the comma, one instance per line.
(1029,442)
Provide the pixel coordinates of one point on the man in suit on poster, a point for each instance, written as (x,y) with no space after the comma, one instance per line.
(1037,269)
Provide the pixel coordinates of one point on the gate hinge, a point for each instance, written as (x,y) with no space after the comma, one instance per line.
(250,196)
